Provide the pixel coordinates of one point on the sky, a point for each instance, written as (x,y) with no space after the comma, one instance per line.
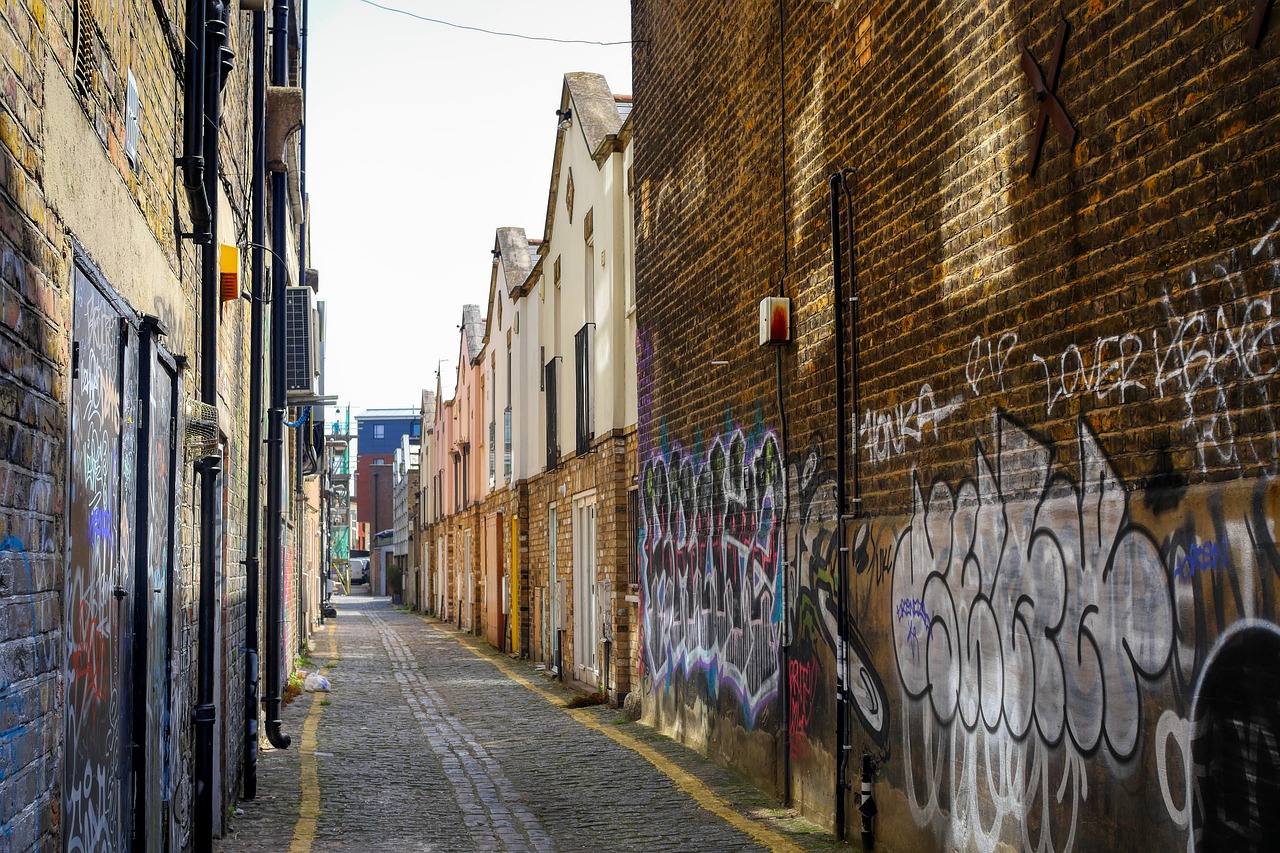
(422,140)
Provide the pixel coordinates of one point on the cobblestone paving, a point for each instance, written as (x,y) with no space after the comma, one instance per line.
(427,745)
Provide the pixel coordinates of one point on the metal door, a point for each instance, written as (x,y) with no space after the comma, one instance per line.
(97,807)
(153,590)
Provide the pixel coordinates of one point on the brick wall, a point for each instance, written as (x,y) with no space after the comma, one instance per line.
(1063,426)
(72,203)
(602,473)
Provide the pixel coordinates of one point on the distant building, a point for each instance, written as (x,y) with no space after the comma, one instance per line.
(377,439)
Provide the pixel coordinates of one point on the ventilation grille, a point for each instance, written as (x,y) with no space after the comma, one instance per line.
(300,366)
(85,28)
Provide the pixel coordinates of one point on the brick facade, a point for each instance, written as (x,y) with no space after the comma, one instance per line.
(92,271)
(1062,413)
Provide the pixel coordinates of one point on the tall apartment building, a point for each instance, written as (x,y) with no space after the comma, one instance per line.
(989,540)
(139,547)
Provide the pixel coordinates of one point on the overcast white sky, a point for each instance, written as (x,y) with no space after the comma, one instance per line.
(422,140)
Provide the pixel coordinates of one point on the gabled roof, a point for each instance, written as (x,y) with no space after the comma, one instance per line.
(473,330)
(512,247)
(428,405)
(512,252)
(596,115)
(595,110)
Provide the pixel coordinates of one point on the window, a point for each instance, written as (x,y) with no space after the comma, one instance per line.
(506,444)
(553,439)
(466,467)
(633,541)
(416,429)
(493,424)
(589,294)
(582,345)
(379,431)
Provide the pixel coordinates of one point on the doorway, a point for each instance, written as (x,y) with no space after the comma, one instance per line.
(586,618)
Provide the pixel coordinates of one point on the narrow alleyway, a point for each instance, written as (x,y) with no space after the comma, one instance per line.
(431,741)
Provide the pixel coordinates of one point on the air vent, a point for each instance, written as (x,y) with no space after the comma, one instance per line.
(300,344)
(84,32)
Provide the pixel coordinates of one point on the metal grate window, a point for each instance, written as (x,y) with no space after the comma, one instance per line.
(553,437)
(493,452)
(85,28)
(633,541)
(582,346)
(506,444)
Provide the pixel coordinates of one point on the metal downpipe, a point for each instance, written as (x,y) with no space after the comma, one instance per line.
(839,187)
(257,324)
(192,160)
(275,423)
(842,747)
(210,466)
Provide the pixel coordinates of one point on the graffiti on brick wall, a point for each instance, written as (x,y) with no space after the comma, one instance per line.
(711,566)
(1223,784)
(1217,360)
(22,742)
(1046,612)
(1033,614)
(814,487)
(887,433)
(803,682)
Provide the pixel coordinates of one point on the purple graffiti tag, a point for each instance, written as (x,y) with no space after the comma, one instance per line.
(100,525)
(1205,557)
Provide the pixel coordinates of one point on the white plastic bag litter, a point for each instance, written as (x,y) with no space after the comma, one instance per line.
(316,683)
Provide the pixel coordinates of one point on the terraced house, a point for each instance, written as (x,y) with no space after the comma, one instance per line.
(533,550)
(150,177)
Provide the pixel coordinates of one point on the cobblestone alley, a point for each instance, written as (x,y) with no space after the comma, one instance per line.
(431,741)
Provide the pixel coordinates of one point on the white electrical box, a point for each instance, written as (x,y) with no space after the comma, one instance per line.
(775,320)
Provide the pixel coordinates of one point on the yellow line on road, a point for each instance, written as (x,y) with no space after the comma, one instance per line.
(304,831)
(690,784)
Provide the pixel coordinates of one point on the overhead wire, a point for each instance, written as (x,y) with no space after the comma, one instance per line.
(523,36)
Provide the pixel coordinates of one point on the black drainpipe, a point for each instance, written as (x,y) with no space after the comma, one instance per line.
(839,187)
(253,548)
(216,67)
(142,590)
(275,424)
(866,807)
(842,746)
(192,159)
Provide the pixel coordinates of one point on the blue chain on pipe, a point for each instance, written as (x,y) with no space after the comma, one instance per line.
(306,413)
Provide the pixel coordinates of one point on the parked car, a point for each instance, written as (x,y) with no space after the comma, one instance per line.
(359,570)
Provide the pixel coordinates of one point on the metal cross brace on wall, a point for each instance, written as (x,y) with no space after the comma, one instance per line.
(1050,108)
(1257,24)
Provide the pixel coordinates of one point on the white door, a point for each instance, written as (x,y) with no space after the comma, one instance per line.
(553,588)
(469,584)
(586,627)
(438,586)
